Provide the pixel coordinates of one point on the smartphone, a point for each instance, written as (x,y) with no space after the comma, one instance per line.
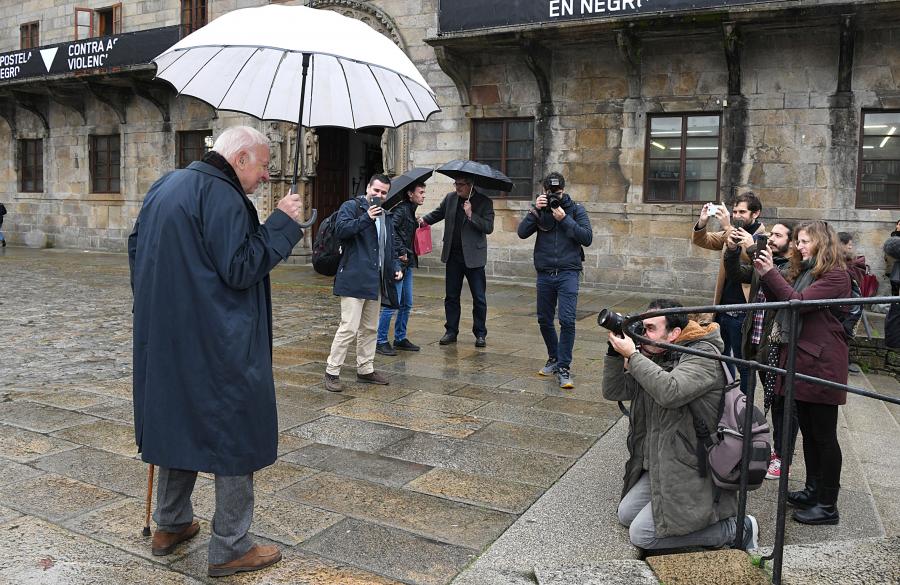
(376,201)
(762,243)
(711,208)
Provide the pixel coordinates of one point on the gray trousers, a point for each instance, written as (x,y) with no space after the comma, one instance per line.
(231,522)
(636,512)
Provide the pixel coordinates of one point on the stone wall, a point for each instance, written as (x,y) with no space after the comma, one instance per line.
(874,357)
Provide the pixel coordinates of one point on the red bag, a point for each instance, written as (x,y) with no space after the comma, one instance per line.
(869,285)
(422,240)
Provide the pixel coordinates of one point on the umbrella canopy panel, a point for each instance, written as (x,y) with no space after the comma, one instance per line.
(250,61)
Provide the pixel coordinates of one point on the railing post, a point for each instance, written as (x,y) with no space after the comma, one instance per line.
(745,455)
(787,454)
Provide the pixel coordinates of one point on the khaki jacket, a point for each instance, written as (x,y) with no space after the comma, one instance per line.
(661,438)
(716,241)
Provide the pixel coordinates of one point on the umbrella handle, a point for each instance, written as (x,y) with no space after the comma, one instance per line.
(310,221)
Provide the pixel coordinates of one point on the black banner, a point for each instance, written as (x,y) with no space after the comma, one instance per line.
(137,48)
(463,15)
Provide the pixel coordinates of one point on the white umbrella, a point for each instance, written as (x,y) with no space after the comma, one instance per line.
(274,61)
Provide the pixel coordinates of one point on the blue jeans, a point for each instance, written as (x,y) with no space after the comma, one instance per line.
(405,295)
(730,328)
(558,288)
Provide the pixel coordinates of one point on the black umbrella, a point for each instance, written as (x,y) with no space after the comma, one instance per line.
(481,174)
(401,183)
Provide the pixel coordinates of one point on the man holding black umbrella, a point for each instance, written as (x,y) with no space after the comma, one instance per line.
(470,218)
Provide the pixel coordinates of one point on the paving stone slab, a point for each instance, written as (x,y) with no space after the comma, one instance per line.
(534,439)
(121,525)
(487,492)
(422,514)
(293,378)
(24,446)
(722,567)
(856,562)
(54,497)
(392,552)
(113,409)
(67,398)
(624,572)
(421,383)
(550,420)
(499,395)
(290,416)
(370,467)
(480,458)
(103,434)
(100,468)
(7,514)
(416,419)
(440,402)
(311,455)
(548,387)
(279,475)
(39,553)
(575,406)
(11,472)
(289,443)
(311,398)
(40,418)
(120,388)
(349,433)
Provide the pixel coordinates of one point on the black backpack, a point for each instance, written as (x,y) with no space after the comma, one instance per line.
(327,248)
(849,315)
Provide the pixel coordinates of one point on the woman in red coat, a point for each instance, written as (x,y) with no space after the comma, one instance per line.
(817,271)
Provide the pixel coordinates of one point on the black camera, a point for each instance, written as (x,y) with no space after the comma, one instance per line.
(554,200)
(609,319)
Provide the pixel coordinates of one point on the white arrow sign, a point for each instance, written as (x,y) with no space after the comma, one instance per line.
(47,55)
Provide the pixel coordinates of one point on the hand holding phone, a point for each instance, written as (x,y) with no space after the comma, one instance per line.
(762,243)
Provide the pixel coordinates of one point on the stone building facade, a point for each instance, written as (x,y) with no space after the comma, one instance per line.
(782,90)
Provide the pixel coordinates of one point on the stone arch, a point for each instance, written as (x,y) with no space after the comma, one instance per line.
(398,156)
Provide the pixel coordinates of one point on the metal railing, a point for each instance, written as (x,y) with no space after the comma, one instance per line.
(790,375)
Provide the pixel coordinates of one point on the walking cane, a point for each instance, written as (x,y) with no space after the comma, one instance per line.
(146,531)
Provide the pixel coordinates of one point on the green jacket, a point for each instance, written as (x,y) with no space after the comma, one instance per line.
(662,438)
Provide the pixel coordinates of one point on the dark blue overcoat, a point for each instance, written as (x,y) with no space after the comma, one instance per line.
(204,397)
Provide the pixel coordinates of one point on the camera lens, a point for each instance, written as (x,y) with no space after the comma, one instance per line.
(554,203)
(609,319)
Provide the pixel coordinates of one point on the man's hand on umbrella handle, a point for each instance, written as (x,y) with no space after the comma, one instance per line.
(467,208)
(290,204)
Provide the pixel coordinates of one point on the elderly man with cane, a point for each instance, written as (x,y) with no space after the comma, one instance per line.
(204,396)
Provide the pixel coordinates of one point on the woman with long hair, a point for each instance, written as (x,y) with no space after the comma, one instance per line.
(817,271)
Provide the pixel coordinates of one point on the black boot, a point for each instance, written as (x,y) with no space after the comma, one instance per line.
(818,514)
(805,498)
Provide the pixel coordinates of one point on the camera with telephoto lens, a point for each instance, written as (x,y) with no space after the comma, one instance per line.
(554,200)
(609,319)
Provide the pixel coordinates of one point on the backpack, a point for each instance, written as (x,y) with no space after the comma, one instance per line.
(849,315)
(720,452)
(327,248)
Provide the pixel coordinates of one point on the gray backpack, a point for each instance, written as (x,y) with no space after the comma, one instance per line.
(720,451)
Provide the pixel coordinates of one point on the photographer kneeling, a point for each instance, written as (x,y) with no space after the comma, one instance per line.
(562,228)
(665,501)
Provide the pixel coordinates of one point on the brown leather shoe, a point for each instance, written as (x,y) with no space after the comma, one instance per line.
(372,378)
(258,557)
(165,542)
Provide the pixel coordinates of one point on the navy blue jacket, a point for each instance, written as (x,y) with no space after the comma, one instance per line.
(559,243)
(204,397)
(357,274)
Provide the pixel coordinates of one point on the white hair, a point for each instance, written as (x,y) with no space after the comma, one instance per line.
(239,139)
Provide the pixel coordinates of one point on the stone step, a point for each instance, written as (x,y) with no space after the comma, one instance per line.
(866,561)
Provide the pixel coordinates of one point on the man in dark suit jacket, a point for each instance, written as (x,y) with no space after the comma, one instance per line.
(470,218)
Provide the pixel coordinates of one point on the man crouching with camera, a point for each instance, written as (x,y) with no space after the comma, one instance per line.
(666,503)
(563,228)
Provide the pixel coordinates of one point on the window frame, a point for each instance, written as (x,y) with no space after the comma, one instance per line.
(36,145)
(95,176)
(861,159)
(90,12)
(473,151)
(180,160)
(193,8)
(682,156)
(32,32)
(115,14)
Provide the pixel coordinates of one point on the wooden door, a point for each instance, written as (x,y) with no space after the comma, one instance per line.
(331,180)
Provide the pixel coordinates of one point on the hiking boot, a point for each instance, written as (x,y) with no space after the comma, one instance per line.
(751,533)
(372,378)
(818,514)
(564,377)
(405,345)
(332,383)
(385,349)
(256,558)
(549,368)
(774,470)
(447,339)
(165,542)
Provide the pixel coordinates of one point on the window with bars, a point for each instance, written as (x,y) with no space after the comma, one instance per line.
(193,15)
(31,165)
(191,146)
(682,158)
(98,23)
(508,146)
(105,163)
(879,160)
(29,35)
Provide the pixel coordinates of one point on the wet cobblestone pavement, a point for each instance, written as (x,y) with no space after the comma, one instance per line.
(403,483)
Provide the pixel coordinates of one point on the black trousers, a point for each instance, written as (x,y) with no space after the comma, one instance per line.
(456,270)
(821,451)
(778,425)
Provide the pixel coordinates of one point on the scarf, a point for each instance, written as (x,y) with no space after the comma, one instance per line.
(215,159)
(781,331)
